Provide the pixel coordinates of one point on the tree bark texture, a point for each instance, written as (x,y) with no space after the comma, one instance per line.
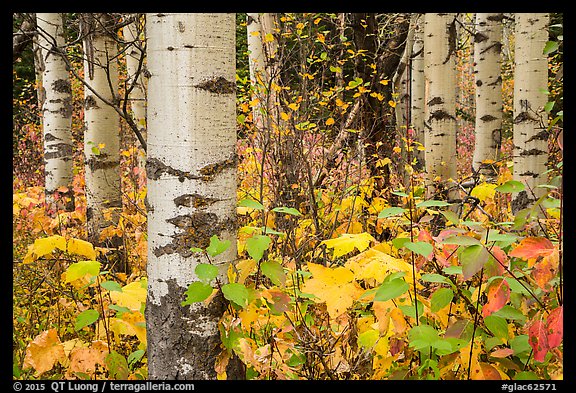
(102,129)
(417,89)
(56,110)
(191,172)
(134,36)
(530,119)
(488,77)
(440,71)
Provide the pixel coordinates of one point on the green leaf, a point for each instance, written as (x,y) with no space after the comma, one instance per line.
(119,309)
(252,204)
(135,357)
(287,210)
(511,313)
(197,291)
(434,277)
(441,298)
(472,259)
(520,344)
(399,242)
(510,186)
(399,193)
(503,239)
(409,311)
(368,338)
(236,293)
(296,359)
(549,106)
(451,216)
(86,318)
(431,203)
(274,271)
(551,46)
(206,272)
(111,286)
(497,326)
(217,246)
(80,269)
(117,366)
(391,289)
(256,245)
(422,336)
(421,248)
(196,249)
(461,240)
(391,211)
(452,270)
(526,376)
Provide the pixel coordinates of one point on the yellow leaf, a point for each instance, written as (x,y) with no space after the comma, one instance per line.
(81,247)
(85,360)
(384,82)
(133,295)
(268,37)
(255,33)
(46,245)
(335,287)
(317,20)
(396,149)
(284,116)
(293,106)
(43,352)
(376,265)
(392,103)
(484,191)
(348,242)
(382,162)
(245,267)
(135,320)
(329,121)
(300,26)
(321,38)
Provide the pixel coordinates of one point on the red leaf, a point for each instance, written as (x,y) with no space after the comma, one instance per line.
(498,296)
(554,327)
(531,248)
(546,269)
(538,340)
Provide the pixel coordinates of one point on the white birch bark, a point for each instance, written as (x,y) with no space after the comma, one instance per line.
(56,110)
(530,119)
(417,89)
(440,71)
(102,131)
(261,50)
(191,170)
(400,81)
(487,60)
(134,35)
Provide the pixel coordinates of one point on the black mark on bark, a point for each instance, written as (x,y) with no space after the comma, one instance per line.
(435,101)
(532,152)
(210,171)
(541,136)
(522,201)
(90,102)
(100,162)
(440,115)
(194,200)
(488,118)
(155,168)
(62,86)
(479,37)
(59,150)
(218,85)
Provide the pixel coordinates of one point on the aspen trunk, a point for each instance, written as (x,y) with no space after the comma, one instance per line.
(530,119)
(102,132)
(440,71)
(417,90)
(191,171)
(487,60)
(134,35)
(56,91)
(262,49)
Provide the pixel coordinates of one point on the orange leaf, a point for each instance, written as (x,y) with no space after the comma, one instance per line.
(486,372)
(43,352)
(498,296)
(502,353)
(531,248)
(84,360)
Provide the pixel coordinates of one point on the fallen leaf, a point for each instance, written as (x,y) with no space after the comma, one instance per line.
(43,352)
